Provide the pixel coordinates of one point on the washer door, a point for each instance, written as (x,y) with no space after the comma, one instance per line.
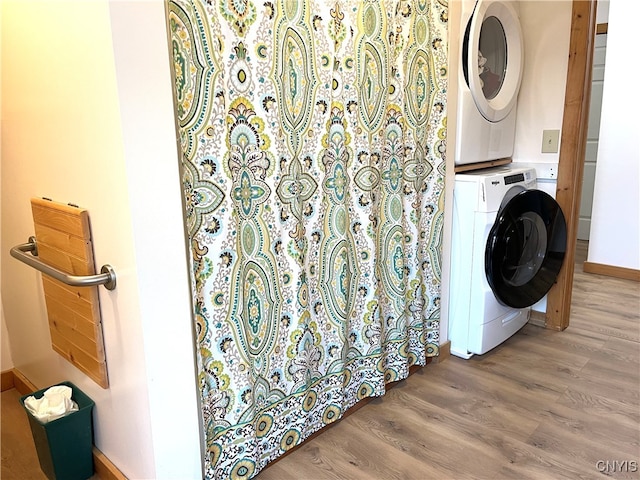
(525,248)
(493,58)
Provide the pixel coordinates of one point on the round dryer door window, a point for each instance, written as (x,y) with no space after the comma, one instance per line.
(494,58)
(493,66)
(525,248)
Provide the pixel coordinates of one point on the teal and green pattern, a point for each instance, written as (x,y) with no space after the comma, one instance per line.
(313,138)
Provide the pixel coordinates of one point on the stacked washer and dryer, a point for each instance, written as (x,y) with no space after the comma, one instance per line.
(508,237)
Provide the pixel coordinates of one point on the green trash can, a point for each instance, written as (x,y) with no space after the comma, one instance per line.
(65,445)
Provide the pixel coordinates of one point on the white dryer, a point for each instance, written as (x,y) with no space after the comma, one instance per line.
(489,80)
(508,244)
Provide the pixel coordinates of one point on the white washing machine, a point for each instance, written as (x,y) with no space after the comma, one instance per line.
(508,244)
(489,80)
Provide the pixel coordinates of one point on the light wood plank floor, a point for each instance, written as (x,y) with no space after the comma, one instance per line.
(544,404)
(19,457)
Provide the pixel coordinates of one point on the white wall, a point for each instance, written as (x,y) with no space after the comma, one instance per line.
(81,123)
(546,27)
(615,219)
(7,361)
(455,12)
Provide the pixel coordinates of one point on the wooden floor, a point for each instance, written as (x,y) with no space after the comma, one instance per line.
(544,404)
(19,458)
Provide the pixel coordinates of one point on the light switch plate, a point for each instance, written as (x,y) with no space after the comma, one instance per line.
(550,140)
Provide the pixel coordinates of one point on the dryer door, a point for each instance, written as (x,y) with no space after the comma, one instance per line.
(525,248)
(493,58)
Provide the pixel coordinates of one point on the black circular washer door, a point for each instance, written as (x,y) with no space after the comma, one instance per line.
(525,248)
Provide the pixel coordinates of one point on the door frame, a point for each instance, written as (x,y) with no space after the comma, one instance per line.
(575,124)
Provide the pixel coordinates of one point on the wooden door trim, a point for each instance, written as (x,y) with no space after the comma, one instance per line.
(575,124)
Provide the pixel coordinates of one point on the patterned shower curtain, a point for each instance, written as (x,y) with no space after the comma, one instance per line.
(313,138)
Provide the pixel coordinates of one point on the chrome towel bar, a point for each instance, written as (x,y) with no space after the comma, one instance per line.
(107,276)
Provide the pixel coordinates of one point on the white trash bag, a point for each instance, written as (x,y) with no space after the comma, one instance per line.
(55,403)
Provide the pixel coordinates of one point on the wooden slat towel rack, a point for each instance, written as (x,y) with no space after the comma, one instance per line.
(62,249)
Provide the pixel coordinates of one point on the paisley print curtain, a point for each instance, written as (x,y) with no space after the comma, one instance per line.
(312,136)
